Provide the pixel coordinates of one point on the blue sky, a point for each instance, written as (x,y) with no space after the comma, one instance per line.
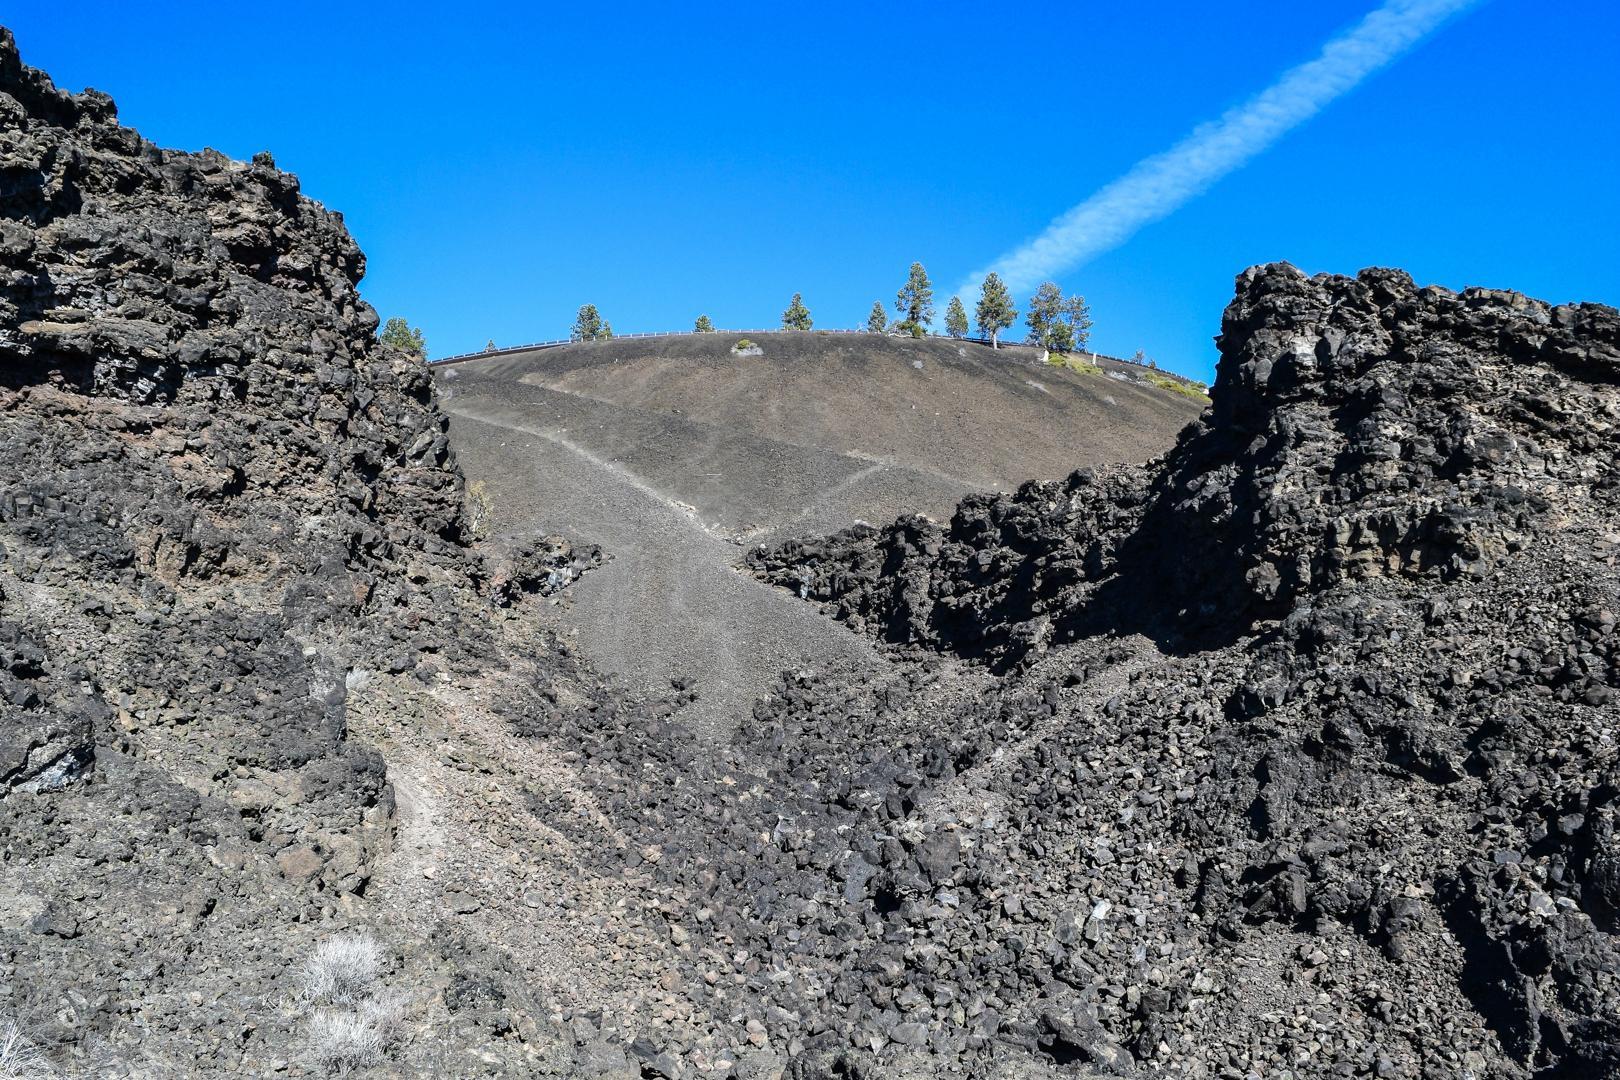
(503,163)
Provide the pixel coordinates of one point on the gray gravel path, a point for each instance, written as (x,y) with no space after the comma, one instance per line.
(670,603)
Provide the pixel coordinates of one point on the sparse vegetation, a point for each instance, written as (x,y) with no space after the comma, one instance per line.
(1196,391)
(797,316)
(480,507)
(343,1040)
(355,1020)
(399,334)
(956,320)
(589,325)
(703,325)
(19,1058)
(994,311)
(745,347)
(878,320)
(915,302)
(340,970)
(1075,362)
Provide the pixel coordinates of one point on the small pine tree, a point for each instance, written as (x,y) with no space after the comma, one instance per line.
(915,302)
(994,311)
(878,320)
(1078,314)
(587,324)
(401,335)
(489,346)
(797,316)
(606,333)
(703,325)
(956,321)
(1045,319)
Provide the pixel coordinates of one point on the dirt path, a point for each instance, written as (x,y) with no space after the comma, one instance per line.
(468,849)
(670,603)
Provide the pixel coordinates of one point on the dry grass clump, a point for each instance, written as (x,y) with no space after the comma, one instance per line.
(19,1058)
(355,1022)
(342,1040)
(340,970)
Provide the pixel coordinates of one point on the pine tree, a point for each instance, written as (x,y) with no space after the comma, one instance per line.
(587,324)
(703,325)
(489,346)
(606,333)
(915,302)
(1078,314)
(797,316)
(994,311)
(878,320)
(401,335)
(1045,319)
(956,323)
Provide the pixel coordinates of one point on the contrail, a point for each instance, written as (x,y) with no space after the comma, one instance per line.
(1162,184)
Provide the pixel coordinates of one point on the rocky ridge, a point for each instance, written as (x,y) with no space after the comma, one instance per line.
(224,510)
(1373,783)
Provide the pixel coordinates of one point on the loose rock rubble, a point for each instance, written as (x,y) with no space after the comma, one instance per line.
(1360,820)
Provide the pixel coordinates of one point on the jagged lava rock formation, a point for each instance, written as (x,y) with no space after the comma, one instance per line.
(222,506)
(1367,799)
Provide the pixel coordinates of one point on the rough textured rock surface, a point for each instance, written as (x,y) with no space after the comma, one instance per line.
(1360,819)
(1365,429)
(224,508)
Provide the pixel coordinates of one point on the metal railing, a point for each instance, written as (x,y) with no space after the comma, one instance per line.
(507,350)
(462,358)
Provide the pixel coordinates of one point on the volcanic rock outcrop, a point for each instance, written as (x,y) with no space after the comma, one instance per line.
(1359,819)
(223,507)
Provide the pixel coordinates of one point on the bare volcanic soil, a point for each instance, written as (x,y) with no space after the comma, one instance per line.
(672,452)
(1289,754)
(891,425)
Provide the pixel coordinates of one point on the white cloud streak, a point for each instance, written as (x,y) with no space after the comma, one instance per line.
(1158,186)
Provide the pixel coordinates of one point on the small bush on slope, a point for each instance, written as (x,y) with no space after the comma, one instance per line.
(341,970)
(1175,386)
(19,1058)
(342,1040)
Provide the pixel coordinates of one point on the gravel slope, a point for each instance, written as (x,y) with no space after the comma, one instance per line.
(668,604)
(672,456)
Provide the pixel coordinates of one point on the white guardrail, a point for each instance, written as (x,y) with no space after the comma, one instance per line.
(461,358)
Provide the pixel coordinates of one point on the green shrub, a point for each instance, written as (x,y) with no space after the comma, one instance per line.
(1073,362)
(1175,386)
